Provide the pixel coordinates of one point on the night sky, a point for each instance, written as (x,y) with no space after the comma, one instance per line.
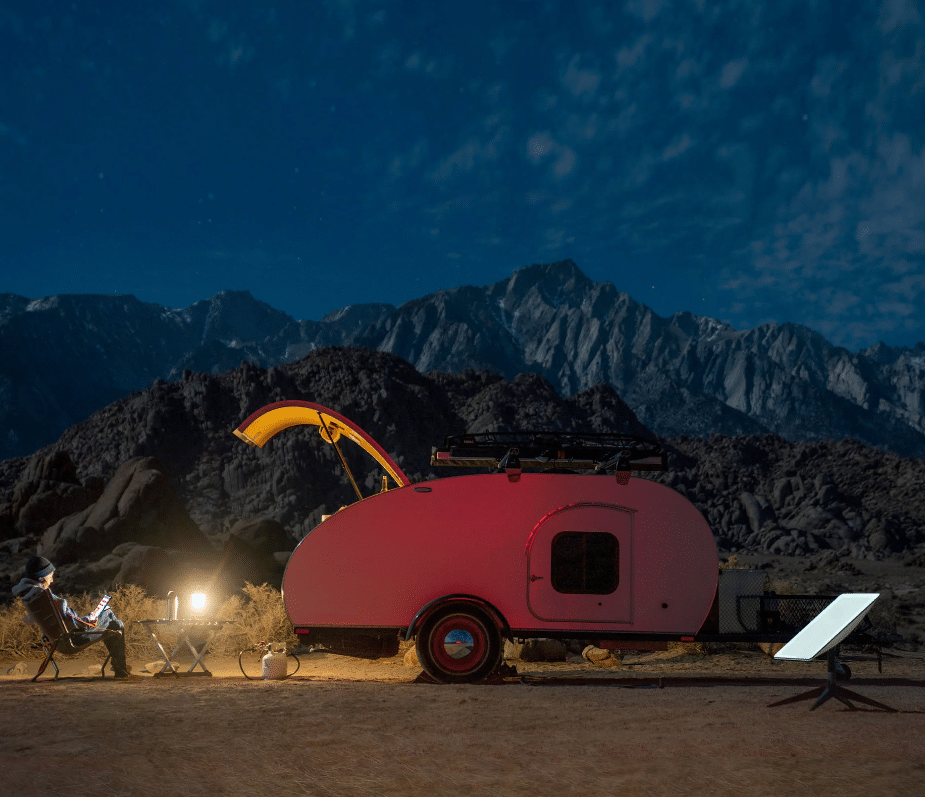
(751,161)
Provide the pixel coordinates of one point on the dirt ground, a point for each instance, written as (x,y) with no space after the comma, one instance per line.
(666,723)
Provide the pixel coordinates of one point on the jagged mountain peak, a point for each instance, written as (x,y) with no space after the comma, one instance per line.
(556,283)
(236,316)
(357,316)
(686,374)
(885,354)
(12,305)
(65,303)
(699,326)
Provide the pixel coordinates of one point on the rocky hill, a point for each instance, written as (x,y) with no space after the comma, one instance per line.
(154,487)
(161,471)
(165,459)
(66,356)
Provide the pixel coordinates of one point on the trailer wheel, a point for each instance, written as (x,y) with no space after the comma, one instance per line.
(459,645)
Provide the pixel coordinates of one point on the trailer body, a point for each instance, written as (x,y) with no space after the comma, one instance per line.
(549,552)
(460,562)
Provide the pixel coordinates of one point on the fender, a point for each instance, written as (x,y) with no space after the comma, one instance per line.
(437,603)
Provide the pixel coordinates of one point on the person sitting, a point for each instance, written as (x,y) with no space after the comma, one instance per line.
(38,576)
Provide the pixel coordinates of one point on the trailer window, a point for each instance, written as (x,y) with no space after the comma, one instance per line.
(585,562)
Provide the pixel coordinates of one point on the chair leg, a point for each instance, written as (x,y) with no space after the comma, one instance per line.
(44,665)
(49,657)
(103,668)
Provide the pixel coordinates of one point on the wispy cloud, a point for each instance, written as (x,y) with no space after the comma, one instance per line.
(677,147)
(539,145)
(732,72)
(475,153)
(581,82)
(734,141)
(646,10)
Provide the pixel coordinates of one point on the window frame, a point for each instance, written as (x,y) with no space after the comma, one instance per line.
(555,582)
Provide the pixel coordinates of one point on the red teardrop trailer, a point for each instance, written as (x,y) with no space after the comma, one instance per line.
(461,563)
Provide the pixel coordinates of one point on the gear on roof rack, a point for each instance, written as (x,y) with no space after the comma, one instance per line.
(596,451)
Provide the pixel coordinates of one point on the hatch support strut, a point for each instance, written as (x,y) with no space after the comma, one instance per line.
(333,440)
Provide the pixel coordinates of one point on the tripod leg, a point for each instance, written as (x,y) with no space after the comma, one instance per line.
(817,692)
(830,692)
(832,689)
(861,699)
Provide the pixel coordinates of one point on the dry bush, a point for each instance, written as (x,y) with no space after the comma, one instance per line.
(131,604)
(783,587)
(257,616)
(694,648)
(16,638)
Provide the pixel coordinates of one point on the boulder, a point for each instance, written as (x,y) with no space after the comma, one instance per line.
(7,522)
(42,471)
(810,518)
(543,650)
(149,567)
(263,536)
(138,505)
(103,571)
(59,542)
(783,489)
(883,535)
(53,501)
(47,490)
(757,511)
(595,655)
(256,551)
(107,507)
(512,650)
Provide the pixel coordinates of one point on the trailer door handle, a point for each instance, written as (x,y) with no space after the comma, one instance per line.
(535,578)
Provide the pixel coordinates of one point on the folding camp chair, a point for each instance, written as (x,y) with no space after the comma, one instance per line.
(57,637)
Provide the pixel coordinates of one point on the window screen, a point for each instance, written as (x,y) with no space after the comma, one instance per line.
(585,562)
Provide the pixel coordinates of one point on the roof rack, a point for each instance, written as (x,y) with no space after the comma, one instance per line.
(601,452)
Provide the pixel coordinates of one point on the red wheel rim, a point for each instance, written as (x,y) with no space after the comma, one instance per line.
(465,663)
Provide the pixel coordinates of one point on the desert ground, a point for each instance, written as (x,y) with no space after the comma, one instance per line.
(660,723)
(675,722)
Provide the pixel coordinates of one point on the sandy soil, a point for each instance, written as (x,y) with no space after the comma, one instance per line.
(350,727)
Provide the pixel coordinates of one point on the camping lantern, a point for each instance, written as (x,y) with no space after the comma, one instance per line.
(198,602)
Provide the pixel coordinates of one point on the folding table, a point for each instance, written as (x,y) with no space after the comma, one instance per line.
(184,629)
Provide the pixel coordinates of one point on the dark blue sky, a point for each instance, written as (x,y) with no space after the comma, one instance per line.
(750,161)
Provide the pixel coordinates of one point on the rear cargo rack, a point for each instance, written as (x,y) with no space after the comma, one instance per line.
(601,452)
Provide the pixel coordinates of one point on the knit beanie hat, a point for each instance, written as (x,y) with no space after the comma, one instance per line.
(38,567)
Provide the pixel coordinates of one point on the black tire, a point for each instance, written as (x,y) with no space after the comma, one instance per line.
(474,660)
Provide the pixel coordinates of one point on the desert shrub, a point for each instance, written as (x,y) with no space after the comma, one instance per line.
(131,603)
(256,616)
(694,648)
(783,587)
(16,638)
